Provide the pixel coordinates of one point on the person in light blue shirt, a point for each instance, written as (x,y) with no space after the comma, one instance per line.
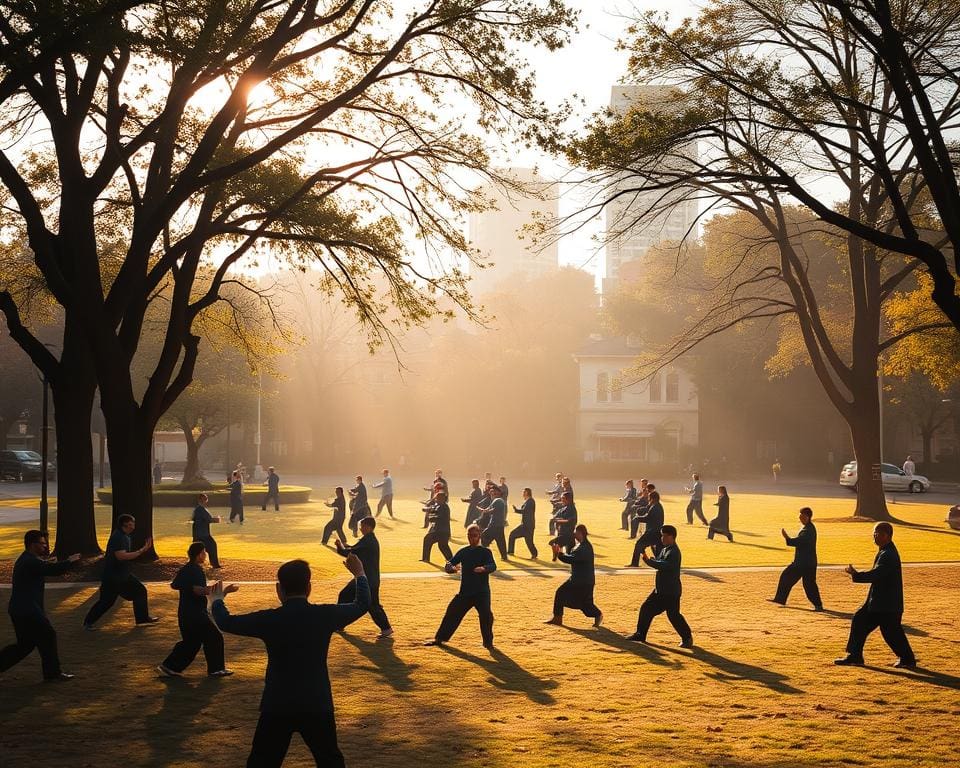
(696,501)
(386,493)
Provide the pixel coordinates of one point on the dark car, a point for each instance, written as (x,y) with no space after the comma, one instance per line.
(22,465)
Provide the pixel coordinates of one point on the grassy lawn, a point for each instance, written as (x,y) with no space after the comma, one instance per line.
(758,692)
(756,520)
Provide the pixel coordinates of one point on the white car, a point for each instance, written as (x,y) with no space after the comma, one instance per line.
(894,479)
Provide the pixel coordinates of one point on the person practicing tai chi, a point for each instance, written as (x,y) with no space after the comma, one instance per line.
(367,548)
(528,523)
(359,506)
(652,535)
(273,490)
(695,505)
(564,521)
(640,507)
(475,563)
(201,529)
(473,502)
(197,629)
(721,523)
(117,581)
(31,625)
(628,499)
(577,591)
(335,525)
(296,693)
(804,565)
(666,591)
(386,494)
(495,530)
(439,532)
(884,605)
(236,496)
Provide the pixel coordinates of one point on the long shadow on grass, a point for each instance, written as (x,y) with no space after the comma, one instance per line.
(922,675)
(755,546)
(927,528)
(394,670)
(729,670)
(702,575)
(182,702)
(618,642)
(507,675)
(847,616)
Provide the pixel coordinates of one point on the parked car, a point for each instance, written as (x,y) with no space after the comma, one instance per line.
(894,479)
(23,465)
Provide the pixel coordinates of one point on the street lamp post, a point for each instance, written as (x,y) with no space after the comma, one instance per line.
(44,448)
(258,470)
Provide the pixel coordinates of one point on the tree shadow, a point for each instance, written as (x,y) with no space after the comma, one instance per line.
(394,670)
(729,670)
(507,675)
(926,528)
(619,643)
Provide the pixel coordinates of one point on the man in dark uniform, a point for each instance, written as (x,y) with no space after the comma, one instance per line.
(439,532)
(804,565)
(201,529)
(483,506)
(117,581)
(473,502)
(496,527)
(30,623)
(577,591)
(359,507)
(197,629)
(335,525)
(236,496)
(884,605)
(504,489)
(653,525)
(640,507)
(367,548)
(628,499)
(438,484)
(475,563)
(564,522)
(528,522)
(273,490)
(296,694)
(666,592)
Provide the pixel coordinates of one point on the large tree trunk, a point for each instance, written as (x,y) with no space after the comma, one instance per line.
(865,432)
(129,444)
(73,395)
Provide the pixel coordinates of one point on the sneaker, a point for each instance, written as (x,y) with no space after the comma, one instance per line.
(148,621)
(431,643)
(905,664)
(386,633)
(688,643)
(167,672)
(61,677)
(221,673)
(849,661)
(636,638)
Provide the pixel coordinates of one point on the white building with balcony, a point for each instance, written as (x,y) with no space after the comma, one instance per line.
(621,418)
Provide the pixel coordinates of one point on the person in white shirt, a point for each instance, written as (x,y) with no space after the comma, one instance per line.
(909,468)
(386,493)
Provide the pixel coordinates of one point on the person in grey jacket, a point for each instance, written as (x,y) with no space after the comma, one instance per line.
(696,501)
(804,565)
(884,605)
(386,494)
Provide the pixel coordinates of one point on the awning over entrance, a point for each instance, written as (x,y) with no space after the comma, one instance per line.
(622,430)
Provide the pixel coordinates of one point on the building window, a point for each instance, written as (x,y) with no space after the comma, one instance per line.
(616,393)
(656,389)
(673,388)
(603,387)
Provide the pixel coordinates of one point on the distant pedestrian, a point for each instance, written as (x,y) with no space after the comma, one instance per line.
(504,489)
(117,581)
(577,591)
(201,529)
(666,592)
(721,523)
(273,490)
(884,605)
(197,629)
(335,525)
(386,494)
(236,496)
(804,565)
(909,468)
(776,468)
(629,498)
(31,626)
(157,472)
(695,505)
